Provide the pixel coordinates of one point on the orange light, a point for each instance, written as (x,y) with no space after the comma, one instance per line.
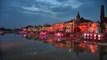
(83,46)
(92,49)
(94,35)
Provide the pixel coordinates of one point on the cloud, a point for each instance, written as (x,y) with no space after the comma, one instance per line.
(37,9)
(53,2)
(32,8)
(62,0)
(53,7)
(73,3)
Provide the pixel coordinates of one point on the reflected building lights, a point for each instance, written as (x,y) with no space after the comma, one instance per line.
(99,35)
(87,37)
(59,40)
(94,37)
(84,37)
(99,38)
(91,38)
(90,34)
(87,34)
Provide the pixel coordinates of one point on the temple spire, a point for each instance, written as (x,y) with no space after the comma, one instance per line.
(78,15)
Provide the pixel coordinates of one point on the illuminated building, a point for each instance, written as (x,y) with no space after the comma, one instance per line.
(84,26)
(69,27)
(50,29)
(95,28)
(58,27)
(81,23)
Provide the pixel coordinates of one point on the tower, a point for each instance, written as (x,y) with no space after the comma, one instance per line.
(102,16)
(78,16)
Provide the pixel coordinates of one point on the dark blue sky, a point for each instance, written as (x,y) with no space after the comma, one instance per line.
(18,13)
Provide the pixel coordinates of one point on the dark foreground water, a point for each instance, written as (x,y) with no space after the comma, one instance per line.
(15,47)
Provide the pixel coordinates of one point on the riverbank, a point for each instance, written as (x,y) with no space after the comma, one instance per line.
(5,31)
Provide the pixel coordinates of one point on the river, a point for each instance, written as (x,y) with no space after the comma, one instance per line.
(16,47)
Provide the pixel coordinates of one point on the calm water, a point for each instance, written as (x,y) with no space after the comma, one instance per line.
(16,47)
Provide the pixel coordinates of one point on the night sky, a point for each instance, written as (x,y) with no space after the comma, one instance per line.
(18,13)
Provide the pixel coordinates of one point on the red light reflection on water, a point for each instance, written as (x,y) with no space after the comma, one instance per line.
(92,48)
(83,46)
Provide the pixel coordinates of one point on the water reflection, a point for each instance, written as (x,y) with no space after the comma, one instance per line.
(72,45)
(49,47)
